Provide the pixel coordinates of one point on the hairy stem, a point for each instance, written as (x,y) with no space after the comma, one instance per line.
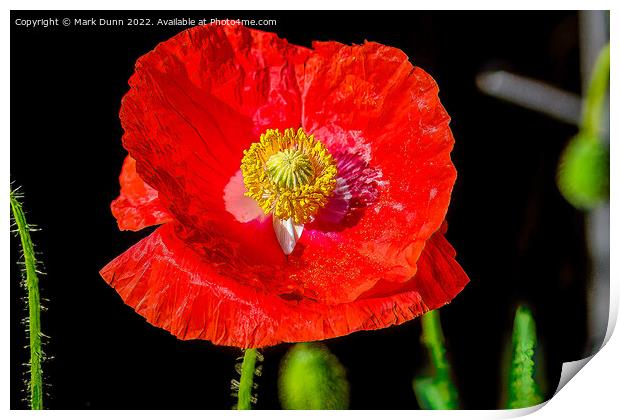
(34,304)
(246,383)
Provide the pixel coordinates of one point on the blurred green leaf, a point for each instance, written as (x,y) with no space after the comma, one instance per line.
(312,378)
(435,392)
(583,171)
(522,388)
(595,97)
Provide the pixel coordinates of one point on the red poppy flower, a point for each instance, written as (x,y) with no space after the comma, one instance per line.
(301,192)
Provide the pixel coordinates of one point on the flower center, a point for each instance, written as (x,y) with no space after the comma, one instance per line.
(290,175)
(289,169)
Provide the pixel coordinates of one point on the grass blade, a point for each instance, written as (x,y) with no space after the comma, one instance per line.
(523,391)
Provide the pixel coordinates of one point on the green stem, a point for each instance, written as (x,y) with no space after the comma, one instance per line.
(442,392)
(595,97)
(34,305)
(432,337)
(246,383)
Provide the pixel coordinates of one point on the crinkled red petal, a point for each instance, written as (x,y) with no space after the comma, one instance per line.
(169,284)
(138,205)
(196,102)
(199,99)
(369,101)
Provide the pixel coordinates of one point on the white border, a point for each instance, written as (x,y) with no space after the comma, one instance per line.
(593,393)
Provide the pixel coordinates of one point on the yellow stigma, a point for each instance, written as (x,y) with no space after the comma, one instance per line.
(290,175)
(289,169)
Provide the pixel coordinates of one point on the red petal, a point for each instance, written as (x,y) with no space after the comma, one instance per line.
(202,97)
(370,101)
(173,288)
(138,205)
(196,102)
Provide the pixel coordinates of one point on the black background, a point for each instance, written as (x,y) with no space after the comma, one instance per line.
(516,237)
